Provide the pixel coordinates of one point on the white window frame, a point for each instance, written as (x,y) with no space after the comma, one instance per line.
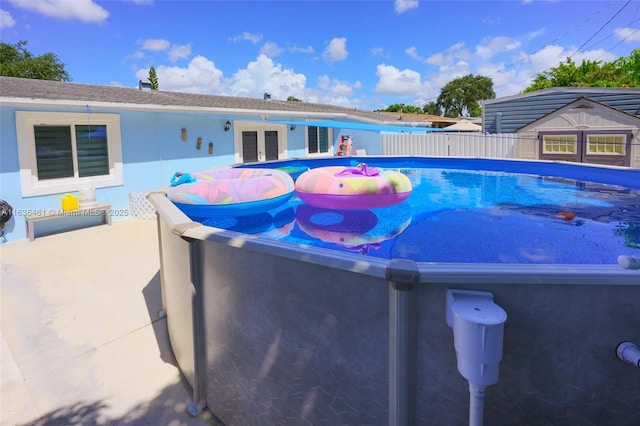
(622,143)
(30,184)
(329,141)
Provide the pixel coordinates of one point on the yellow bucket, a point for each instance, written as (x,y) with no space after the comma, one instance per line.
(69,202)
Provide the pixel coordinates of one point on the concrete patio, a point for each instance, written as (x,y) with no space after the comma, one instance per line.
(82,342)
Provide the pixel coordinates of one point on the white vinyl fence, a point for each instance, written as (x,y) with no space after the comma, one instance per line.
(450,144)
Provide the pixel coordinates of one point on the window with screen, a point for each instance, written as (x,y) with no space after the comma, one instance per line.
(318,140)
(61,152)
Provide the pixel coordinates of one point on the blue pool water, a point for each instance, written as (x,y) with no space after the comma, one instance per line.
(457,215)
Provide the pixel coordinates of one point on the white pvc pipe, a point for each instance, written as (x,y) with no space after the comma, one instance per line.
(476,404)
(629,352)
(629,262)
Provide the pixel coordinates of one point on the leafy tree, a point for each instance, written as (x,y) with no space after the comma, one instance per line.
(409,109)
(628,68)
(153,78)
(431,108)
(623,72)
(457,98)
(293,99)
(17,61)
(460,96)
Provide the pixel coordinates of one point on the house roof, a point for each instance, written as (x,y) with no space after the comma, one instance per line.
(581,91)
(20,90)
(582,102)
(416,119)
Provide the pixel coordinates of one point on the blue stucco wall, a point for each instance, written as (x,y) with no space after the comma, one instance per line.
(152,151)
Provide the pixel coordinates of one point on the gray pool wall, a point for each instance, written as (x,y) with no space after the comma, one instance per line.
(274,333)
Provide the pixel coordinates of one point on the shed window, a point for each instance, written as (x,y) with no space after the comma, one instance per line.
(560,144)
(601,144)
(62,152)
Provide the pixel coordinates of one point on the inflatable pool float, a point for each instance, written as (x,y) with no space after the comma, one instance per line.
(293,171)
(230,192)
(352,188)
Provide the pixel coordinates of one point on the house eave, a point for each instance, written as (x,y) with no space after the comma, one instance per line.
(14,101)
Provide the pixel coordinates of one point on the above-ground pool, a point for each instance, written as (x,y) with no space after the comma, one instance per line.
(308,316)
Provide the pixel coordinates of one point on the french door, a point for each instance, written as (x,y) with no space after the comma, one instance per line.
(261,144)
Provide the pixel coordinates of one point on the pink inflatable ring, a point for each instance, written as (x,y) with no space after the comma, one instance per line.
(230,192)
(352,188)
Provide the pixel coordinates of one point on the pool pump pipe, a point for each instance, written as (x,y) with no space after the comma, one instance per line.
(629,352)
(478,332)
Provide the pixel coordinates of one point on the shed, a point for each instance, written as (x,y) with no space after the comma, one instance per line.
(510,113)
(584,131)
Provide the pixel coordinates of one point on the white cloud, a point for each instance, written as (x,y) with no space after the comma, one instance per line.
(505,81)
(6,20)
(263,75)
(159,44)
(402,6)
(491,46)
(297,49)
(136,55)
(336,50)
(549,56)
(489,20)
(393,81)
(594,55)
(335,86)
(628,34)
(535,34)
(413,53)
(436,59)
(260,76)
(271,49)
(453,53)
(179,52)
(450,71)
(83,10)
(377,51)
(154,44)
(247,36)
(200,76)
(318,97)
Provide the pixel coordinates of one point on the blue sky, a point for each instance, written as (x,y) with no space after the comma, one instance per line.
(362,54)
